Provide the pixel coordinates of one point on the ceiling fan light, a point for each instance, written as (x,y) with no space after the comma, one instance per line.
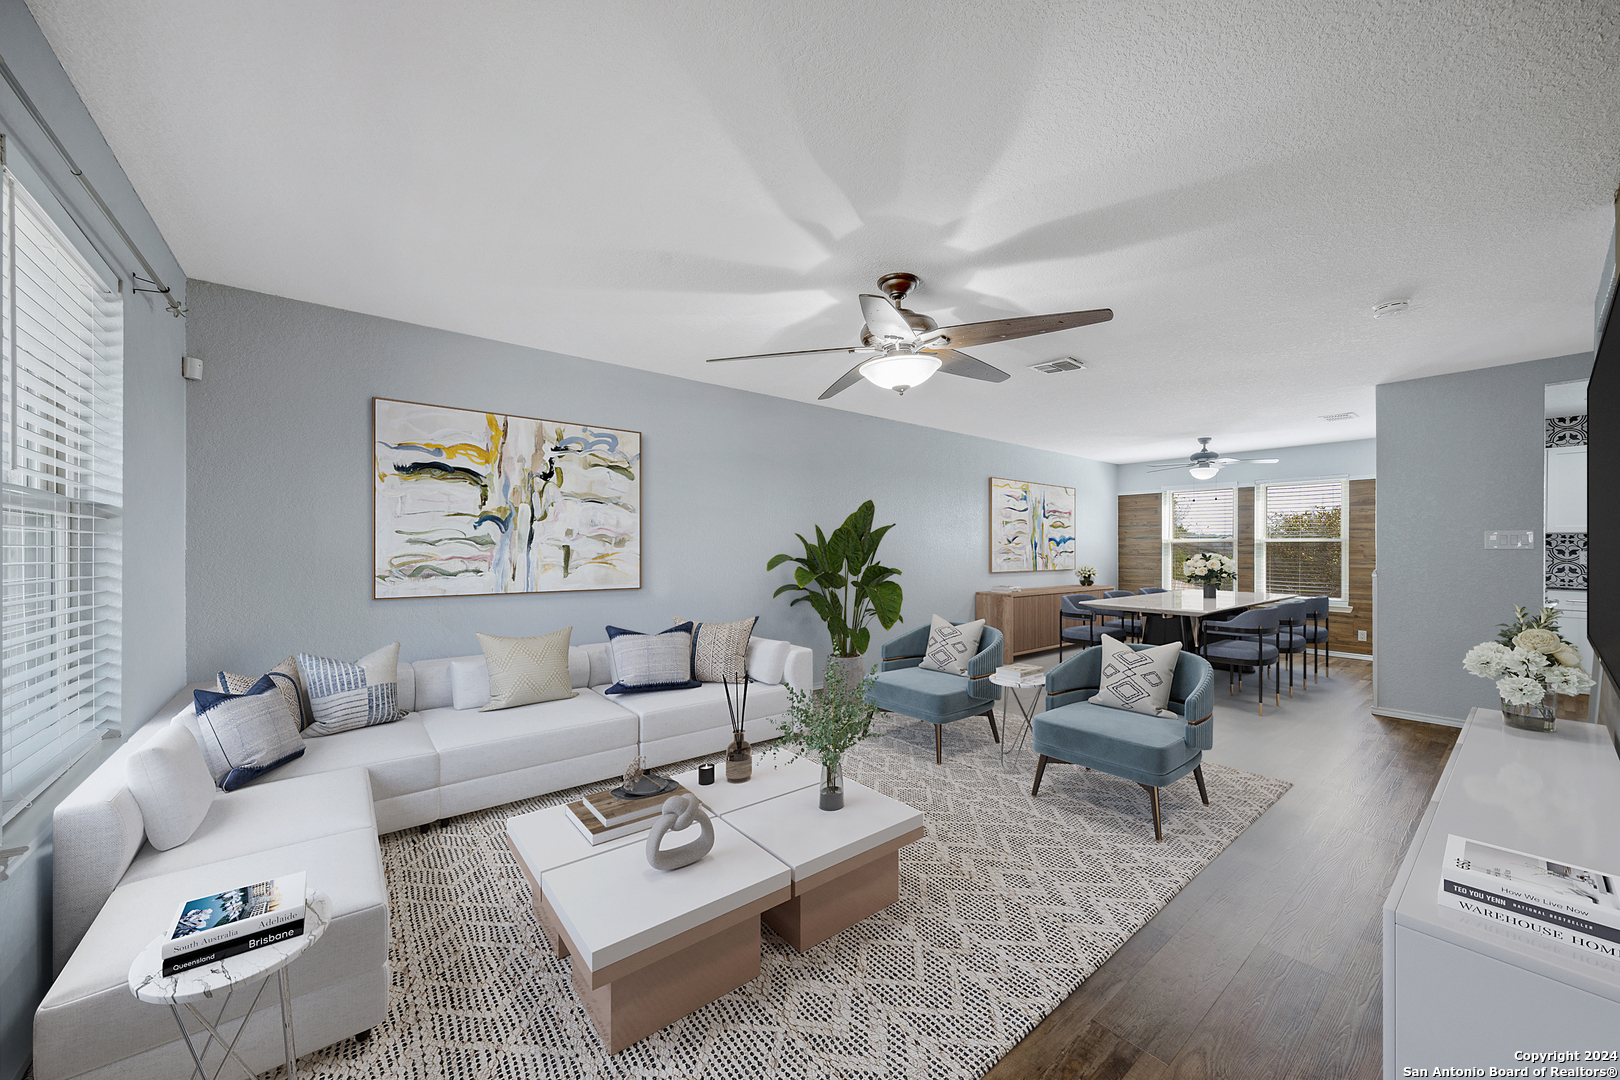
(1204,472)
(900,371)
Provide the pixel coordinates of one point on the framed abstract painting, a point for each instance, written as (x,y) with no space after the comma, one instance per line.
(1031,526)
(472,503)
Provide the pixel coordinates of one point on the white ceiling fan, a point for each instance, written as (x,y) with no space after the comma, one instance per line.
(903,349)
(1204,464)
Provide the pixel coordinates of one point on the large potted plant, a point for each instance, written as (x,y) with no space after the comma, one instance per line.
(824,725)
(842,581)
(1532,664)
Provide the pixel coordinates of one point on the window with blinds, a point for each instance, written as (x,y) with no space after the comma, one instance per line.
(61,353)
(1196,521)
(1301,537)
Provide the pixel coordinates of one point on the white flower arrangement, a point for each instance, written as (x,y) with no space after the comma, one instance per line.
(1529,660)
(1209,568)
(1085,573)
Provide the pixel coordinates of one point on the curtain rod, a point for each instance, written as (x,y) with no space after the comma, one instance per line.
(175,307)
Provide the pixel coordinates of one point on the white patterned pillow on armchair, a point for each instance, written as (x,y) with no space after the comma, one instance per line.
(1137,680)
(951,647)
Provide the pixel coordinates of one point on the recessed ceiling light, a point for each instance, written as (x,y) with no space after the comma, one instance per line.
(1060,365)
(1394,307)
(1339,416)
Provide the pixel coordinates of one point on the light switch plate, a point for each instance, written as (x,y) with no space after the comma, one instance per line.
(1509,539)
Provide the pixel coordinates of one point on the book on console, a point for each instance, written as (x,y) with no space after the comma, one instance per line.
(233,921)
(1571,905)
(612,811)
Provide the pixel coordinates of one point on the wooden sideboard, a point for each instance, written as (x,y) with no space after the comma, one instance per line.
(1027,619)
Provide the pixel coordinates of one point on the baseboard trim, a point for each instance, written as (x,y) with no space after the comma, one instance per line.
(1421,717)
(1351,655)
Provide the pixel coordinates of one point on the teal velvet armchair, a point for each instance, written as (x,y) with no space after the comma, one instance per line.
(938,697)
(1153,751)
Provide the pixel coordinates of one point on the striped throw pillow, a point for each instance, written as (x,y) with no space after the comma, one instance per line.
(343,696)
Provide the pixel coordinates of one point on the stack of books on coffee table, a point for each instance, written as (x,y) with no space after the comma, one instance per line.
(602,816)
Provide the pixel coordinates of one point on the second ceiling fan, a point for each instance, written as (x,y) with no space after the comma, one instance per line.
(903,349)
(1205,463)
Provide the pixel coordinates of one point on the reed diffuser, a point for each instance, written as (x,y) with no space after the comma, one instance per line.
(739,755)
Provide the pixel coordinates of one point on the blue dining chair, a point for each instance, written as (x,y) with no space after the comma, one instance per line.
(1291,640)
(1087,633)
(1122,623)
(1246,648)
(1146,589)
(1318,633)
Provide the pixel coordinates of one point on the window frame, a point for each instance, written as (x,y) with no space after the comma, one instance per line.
(1167,542)
(1261,539)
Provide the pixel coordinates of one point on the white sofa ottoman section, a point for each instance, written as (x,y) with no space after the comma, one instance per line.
(681,724)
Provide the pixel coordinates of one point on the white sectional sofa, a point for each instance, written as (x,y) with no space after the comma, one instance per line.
(322,813)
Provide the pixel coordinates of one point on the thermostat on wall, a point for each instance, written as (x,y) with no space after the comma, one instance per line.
(1509,539)
(191,368)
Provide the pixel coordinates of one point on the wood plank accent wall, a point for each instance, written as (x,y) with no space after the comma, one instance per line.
(1140,554)
(1139,551)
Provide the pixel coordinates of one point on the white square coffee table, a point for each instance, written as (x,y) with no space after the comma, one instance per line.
(845,863)
(648,946)
(773,775)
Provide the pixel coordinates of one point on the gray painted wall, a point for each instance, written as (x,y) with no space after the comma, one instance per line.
(280,505)
(1457,455)
(154,489)
(1356,459)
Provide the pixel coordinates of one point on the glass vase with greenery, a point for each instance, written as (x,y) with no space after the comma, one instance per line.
(843,582)
(825,724)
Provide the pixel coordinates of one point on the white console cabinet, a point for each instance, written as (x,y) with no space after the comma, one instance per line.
(1464,993)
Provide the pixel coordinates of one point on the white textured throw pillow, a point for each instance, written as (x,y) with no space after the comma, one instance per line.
(524,671)
(951,647)
(469,683)
(172,786)
(767,660)
(1137,680)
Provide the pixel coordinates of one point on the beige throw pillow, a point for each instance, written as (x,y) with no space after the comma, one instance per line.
(1137,680)
(284,675)
(523,671)
(720,649)
(951,647)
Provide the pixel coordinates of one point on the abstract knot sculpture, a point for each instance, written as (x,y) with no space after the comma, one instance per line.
(678,814)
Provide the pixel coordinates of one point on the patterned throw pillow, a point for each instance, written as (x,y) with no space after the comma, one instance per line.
(951,647)
(284,675)
(526,670)
(720,649)
(343,696)
(643,662)
(244,736)
(1137,680)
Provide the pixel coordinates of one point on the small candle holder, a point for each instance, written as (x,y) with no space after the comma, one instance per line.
(706,774)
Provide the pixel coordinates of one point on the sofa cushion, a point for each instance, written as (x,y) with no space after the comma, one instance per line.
(1140,746)
(950,647)
(399,756)
(469,683)
(89,1018)
(643,663)
(244,736)
(1136,680)
(525,671)
(720,650)
(344,696)
(263,816)
(919,692)
(431,679)
(767,659)
(172,784)
(284,675)
(478,744)
(665,713)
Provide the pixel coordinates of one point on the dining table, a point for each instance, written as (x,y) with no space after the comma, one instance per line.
(1188,604)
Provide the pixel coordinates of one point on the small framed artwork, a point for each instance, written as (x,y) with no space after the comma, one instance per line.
(472,503)
(1031,526)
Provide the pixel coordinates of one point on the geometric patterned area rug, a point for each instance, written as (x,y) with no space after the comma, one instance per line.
(1006,906)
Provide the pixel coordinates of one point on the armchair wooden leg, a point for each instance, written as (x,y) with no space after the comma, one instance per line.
(1153,796)
(1203,792)
(1040,771)
(939,744)
(994,734)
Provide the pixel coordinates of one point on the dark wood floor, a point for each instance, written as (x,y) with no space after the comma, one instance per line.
(1269,963)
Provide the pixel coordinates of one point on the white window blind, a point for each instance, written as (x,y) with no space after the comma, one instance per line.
(1195,521)
(61,352)
(1301,537)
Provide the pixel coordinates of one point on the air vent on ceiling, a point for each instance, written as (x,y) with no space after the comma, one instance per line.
(1394,307)
(1060,365)
(1339,416)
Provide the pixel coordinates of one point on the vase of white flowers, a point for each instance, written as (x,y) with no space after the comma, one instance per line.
(1209,570)
(1086,574)
(1532,664)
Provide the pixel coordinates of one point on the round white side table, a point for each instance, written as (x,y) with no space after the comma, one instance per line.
(199,984)
(1013,684)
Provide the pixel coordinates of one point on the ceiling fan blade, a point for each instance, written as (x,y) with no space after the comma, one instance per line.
(1167,468)
(850,378)
(1224,460)
(883,320)
(969,367)
(967,335)
(801,352)
(1261,460)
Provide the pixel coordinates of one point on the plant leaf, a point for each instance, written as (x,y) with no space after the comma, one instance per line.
(886,597)
(777,560)
(863,638)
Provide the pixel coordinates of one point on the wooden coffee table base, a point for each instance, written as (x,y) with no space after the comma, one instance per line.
(834,900)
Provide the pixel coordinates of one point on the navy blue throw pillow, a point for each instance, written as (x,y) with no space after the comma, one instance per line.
(646,662)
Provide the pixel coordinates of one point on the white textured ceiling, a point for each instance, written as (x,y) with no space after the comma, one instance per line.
(650,184)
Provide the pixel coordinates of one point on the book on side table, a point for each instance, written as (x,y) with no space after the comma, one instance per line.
(1570,905)
(228,923)
(601,817)
(1019,671)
